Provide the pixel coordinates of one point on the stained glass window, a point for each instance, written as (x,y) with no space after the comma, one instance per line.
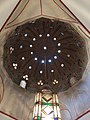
(46,107)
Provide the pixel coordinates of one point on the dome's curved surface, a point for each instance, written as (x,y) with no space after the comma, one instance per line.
(45,54)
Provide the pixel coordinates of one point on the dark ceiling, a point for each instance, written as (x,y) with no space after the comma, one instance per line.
(45,53)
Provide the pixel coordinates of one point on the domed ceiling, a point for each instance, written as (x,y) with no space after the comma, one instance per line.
(47,54)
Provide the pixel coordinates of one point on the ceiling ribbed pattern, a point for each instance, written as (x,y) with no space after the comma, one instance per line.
(46,54)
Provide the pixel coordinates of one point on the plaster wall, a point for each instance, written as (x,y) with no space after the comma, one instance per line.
(81,9)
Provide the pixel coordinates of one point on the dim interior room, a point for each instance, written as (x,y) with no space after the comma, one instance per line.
(44,60)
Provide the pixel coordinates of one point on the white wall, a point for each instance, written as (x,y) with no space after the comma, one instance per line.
(81,9)
(6,7)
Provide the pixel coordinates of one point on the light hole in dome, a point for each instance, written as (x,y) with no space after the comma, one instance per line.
(40,83)
(25,35)
(15,67)
(34,39)
(68,55)
(55,57)
(40,35)
(10,52)
(23,58)
(59,44)
(62,65)
(52,71)
(55,82)
(14,64)
(62,33)
(11,49)
(31,53)
(30,67)
(42,61)
(54,38)
(45,48)
(49,60)
(35,58)
(21,46)
(31,45)
(26,78)
(59,51)
(41,71)
(48,35)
